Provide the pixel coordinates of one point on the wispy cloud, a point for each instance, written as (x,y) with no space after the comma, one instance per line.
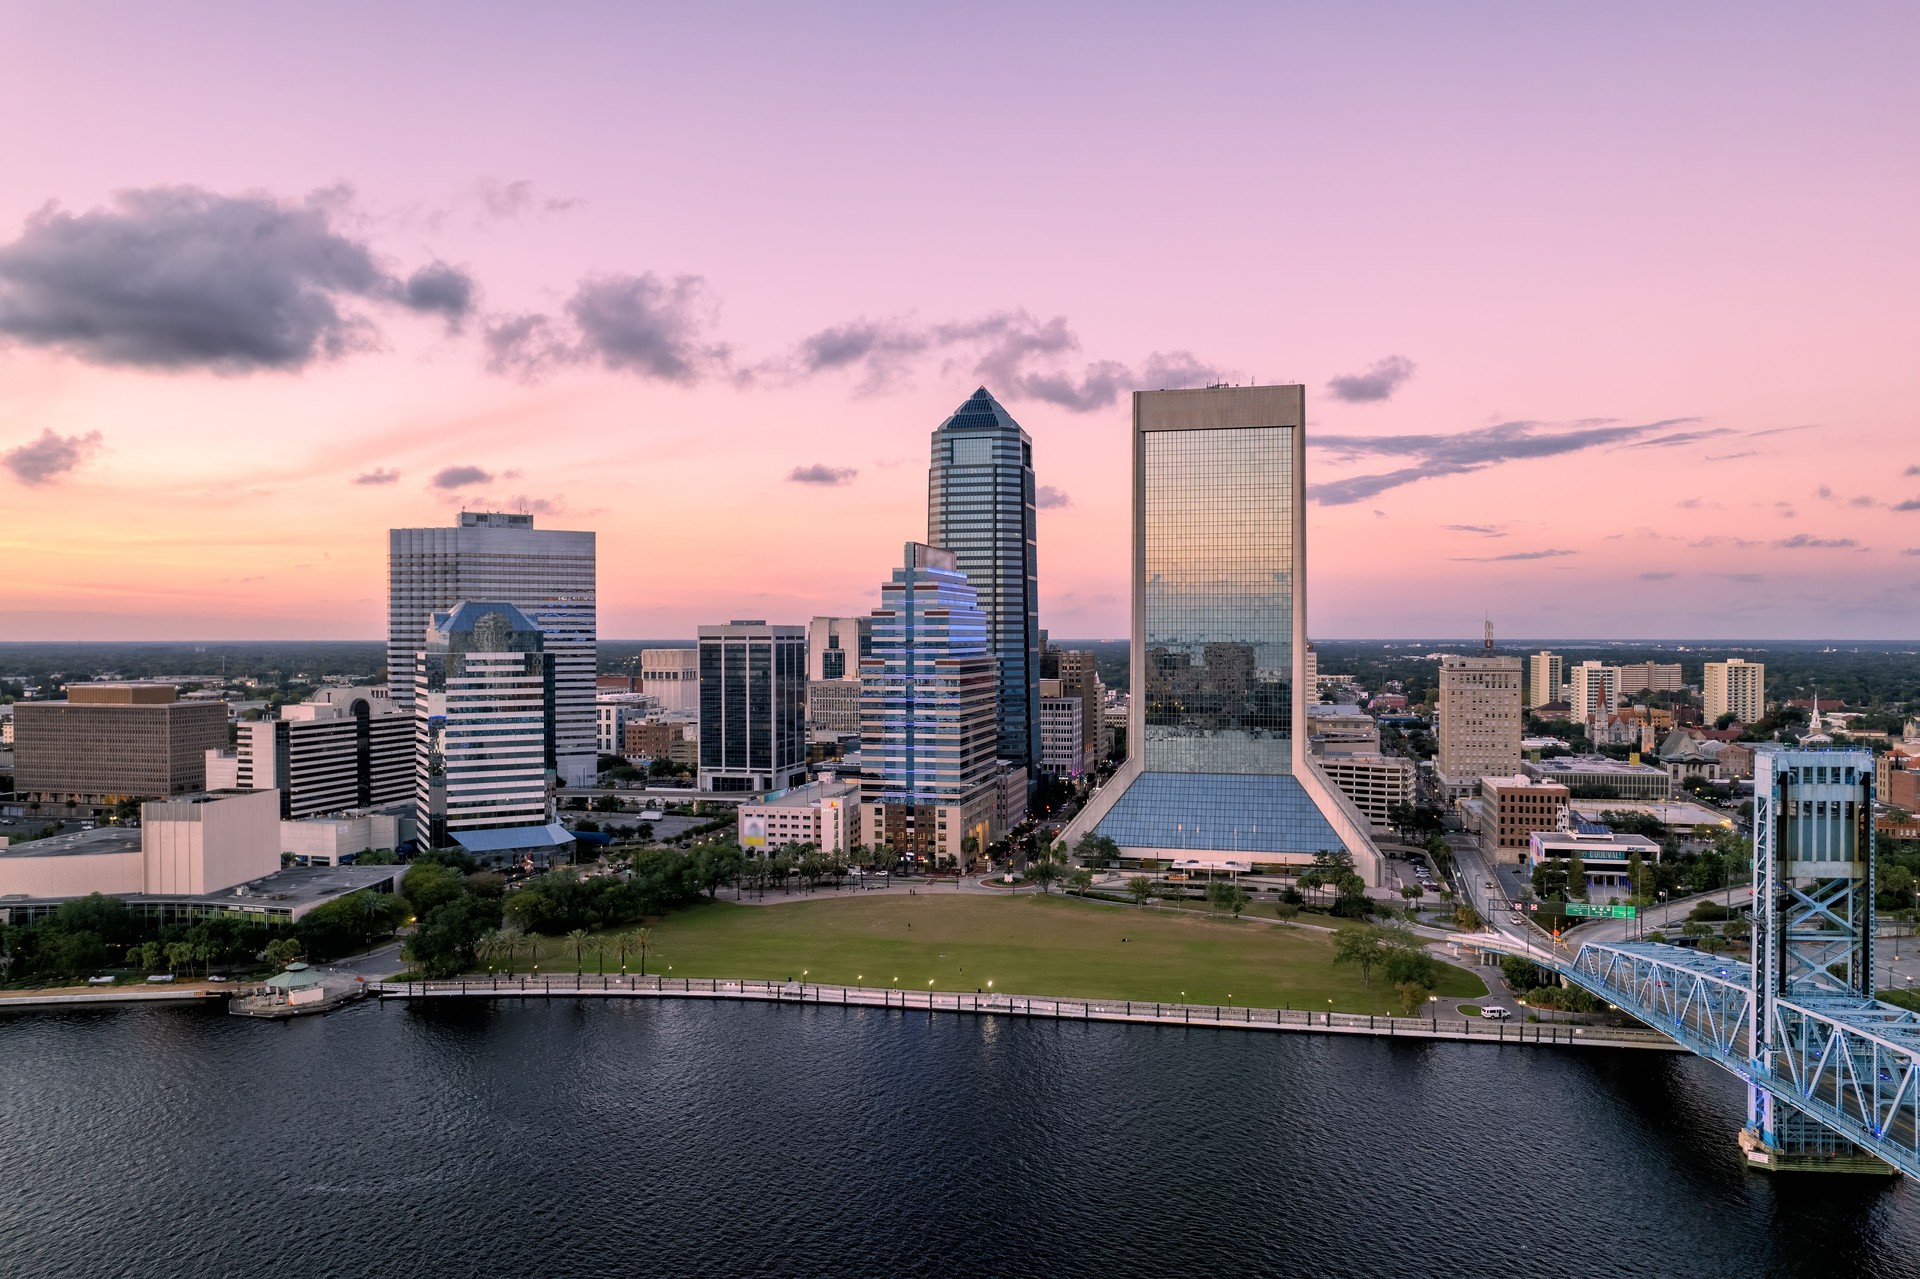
(1484,530)
(1378,381)
(1805,542)
(822,474)
(1728,457)
(1511,555)
(1464,452)
(1049,498)
(46,459)
(458,477)
(378,475)
(1659,575)
(1678,438)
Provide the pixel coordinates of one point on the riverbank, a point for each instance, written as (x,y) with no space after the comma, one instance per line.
(69,996)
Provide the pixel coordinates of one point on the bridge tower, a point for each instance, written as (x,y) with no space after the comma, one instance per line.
(1812,934)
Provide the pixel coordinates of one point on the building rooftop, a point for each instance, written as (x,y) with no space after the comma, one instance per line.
(1672,812)
(1590,764)
(79,843)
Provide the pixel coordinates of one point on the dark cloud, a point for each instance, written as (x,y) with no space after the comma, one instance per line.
(1484,530)
(1049,498)
(378,475)
(1017,355)
(1465,452)
(46,459)
(820,473)
(184,278)
(641,324)
(1911,550)
(1801,541)
(1911,504)
(1911,471)
(1658,576)
(1824,493)
(1374,383)
(459,477)
(1512,555)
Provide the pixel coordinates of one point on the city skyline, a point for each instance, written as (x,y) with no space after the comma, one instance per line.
(1574,355)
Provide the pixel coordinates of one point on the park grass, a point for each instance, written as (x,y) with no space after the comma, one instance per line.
(1028,945)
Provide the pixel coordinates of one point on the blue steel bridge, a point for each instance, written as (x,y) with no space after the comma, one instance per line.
(1832,1074)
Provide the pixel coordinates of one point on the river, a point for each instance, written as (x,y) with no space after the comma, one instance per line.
(556,1139)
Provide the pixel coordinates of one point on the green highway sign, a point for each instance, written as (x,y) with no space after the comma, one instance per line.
(1599,912)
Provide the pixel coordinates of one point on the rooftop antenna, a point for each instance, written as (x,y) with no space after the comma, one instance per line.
(1489,640)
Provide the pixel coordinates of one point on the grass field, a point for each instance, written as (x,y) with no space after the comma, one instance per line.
(1044,945)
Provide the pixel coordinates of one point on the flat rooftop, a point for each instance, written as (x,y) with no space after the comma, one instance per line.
(1672,812)
(77,843)
(1591,764)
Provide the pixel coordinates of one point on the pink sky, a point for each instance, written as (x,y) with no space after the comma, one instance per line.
(1687,234)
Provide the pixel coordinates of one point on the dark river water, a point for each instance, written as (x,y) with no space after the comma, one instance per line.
(559,1139)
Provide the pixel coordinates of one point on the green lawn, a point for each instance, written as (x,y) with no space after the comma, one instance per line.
(1029,945)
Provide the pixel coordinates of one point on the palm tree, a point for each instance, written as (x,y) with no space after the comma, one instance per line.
(533,948)
(622,946)
(642,938)
(491,946)
(578,937)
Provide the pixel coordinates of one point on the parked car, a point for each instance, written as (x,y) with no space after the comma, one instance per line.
(99,981)
(161,977)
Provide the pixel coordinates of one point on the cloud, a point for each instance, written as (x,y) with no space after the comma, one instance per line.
(1911,471)
(1658,576)
(1018,356)
(1484,530)
(819,473)
(1862,500)
(1801,541)
(1049,498)
(459,477)
(1466,451)
(1911,504)
(379,475)
(1728,457)
(1824,493)
(1911,550)
(1512,555)
(1778,430)
(46,459)
(1690,503)
(641,324)
(1679,437)
(1376,382)
(176,278)
(511,201)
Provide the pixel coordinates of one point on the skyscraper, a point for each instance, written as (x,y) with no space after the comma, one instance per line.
(980,506)
(483,710)
(1596,691)
(835,646)
(547,573)
(753,701)
(1217,775)
(927,700)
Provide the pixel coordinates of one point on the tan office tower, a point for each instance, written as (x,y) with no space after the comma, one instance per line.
(1479,722)
(1546,672)
(1735,687)
(108,742)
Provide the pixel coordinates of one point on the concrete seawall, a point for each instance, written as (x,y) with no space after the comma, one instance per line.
(1460,1029)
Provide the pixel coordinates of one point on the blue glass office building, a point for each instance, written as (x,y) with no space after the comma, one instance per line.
(927,700)
(1218,774)
(980,506)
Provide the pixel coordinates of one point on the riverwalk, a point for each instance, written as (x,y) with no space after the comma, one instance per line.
(1141,1012)
(68,997)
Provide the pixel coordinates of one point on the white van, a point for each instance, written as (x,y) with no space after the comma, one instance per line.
(1497,1014)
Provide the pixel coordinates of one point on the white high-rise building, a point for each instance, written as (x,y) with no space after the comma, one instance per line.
(671,677)
(1546,672)
(1735,687)
(345,748)
(1596,691)
(549,574)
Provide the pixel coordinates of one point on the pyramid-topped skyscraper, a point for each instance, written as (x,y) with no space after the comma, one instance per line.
(980,506)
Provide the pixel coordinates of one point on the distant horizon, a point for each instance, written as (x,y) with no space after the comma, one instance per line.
(1465,642)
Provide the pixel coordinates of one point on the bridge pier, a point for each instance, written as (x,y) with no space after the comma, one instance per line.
(1798,1144)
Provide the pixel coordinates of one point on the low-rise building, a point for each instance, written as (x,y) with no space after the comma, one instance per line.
(824,814)
(1513,809)
(1687,759)
(1600,776)
(1375,783)
(1606,854)
(1684,818)
(340,839)
(183,847)
(651,739)
(1341,730)
(1063,745)
(108,742)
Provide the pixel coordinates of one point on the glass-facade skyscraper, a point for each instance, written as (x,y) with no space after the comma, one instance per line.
(753,706)
(927,701)
(980,506)
(549,574)
(1218,774)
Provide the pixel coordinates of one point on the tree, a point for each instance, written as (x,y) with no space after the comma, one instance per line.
(1351,896)
(1286,912)
(282,951)
(446,942)
(180,955)
(578,940)
(1466,917)
(1096,850)
(1140,888)
(1412,995)
(1637,877)
(713,865)
(1081,879)
(1219,893)
(1310,881)
(642,939)
(1576,875)
(1360,947)
(1043,871)
(429,885)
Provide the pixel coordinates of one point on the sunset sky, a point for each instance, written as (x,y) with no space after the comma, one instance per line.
(1607,316)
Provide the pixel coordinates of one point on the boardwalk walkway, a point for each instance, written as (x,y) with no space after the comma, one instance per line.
(1465,1029)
